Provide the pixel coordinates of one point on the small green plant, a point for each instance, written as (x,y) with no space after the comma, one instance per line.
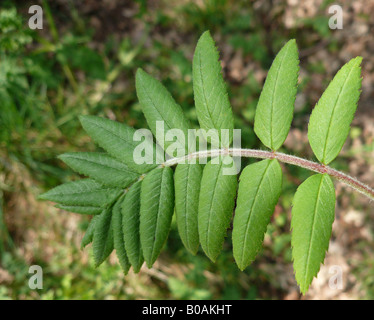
(132,204)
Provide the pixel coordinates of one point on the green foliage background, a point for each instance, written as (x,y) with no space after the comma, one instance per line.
(70,68)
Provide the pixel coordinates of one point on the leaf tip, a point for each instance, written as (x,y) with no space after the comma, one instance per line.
(45,196)
(42,196)
(193,251)
(83,245)
(206,33)
(205,37)
(212,257)
(241,266)
(136,269)
(357,60)
(290,44)
(97,262)
(304,288)
(139,72)
(142,79)
(82,118)
(63,156)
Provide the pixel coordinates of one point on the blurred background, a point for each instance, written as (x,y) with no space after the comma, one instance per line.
(84,60)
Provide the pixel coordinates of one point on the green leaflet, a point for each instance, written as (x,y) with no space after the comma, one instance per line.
(88,236)
(81,209)
(211,100)
(156,211)
(332,116)
(187,179)
(275,107)
(130,226)
(103,243)
(118,237)
(259,190)
(82,193)
(117,139)
(216,204)
(100,167)
(312,218)
(158,105)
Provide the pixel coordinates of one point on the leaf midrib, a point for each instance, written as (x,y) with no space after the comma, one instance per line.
(111,132)
(185,206)
(79,192)
(207,238)
(204,94)
(158,215)
(332,114)
(312,231)
(273,98)
(99,164)
(136,254)
(107,237)
(155,106)
(250,215)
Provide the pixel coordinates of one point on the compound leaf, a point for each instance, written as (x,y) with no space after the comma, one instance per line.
(211,100)
(82,193)
(130,225)
(117,139)
(118,236)
(332,116)
(275,107)
(311,223)
(187,179)
(216,204)
(259,190)
(158,105)
(156,211)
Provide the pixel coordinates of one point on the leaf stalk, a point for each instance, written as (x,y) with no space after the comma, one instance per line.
(282,157)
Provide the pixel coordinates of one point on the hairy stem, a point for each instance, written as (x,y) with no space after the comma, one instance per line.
(285,158)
